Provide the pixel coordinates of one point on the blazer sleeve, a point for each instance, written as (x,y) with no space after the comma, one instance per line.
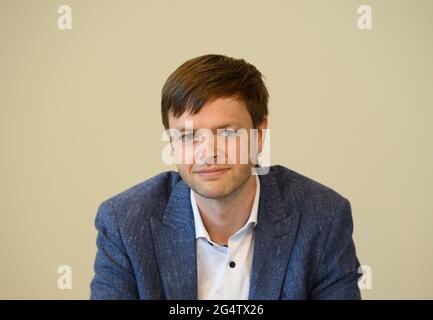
(114,277)
(336,277)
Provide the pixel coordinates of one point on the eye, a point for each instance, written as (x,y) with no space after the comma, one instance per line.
(229,133)
(187,137)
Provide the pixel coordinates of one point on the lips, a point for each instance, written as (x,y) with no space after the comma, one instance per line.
(212,172)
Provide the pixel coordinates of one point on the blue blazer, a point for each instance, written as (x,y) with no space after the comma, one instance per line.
(303,247)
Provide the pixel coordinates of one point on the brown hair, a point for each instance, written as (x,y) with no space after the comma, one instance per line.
(205,78)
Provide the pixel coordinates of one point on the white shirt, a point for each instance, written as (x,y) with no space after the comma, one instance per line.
(224,272)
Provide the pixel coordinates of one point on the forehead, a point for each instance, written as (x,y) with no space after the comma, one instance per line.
(219,112)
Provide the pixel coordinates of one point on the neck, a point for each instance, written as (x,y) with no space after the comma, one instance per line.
(224,217)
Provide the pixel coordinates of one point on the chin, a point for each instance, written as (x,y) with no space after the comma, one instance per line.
(211,193)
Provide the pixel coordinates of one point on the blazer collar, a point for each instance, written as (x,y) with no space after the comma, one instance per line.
(274,236)
(175,246)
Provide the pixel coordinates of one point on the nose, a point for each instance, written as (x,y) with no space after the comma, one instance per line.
(207,150)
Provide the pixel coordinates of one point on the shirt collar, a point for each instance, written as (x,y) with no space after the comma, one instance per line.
(200,230)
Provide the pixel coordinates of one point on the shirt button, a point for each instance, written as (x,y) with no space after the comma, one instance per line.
(232,264)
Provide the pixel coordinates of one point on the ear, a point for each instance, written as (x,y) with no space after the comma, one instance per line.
(260,127)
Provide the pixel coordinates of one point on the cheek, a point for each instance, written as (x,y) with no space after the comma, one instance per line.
(229,152)
(185,169)
(184,155)
(237,151)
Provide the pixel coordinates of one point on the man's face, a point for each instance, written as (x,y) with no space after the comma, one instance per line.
(206,174)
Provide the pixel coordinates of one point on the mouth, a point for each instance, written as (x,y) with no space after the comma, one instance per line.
(211,172)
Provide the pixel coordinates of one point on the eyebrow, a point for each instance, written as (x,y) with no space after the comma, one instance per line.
(223,126)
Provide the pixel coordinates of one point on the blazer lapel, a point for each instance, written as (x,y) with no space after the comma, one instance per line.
(274,236)
(175,246)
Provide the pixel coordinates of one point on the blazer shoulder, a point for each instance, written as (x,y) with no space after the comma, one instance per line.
(151,194)
(307,193)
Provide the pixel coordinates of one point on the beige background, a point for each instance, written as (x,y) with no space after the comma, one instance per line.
(80,121)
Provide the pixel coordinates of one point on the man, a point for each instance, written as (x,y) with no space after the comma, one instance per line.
(217,229)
